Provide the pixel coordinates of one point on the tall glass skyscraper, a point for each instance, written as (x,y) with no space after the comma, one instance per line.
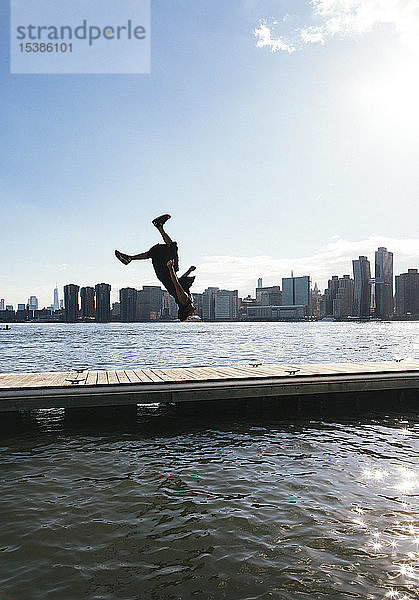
(87,298)
(362,288)
(56,302)
(383,283)
(208,304)
(71,302)
(407,293)
(103,302)
(130,305)
(296,291)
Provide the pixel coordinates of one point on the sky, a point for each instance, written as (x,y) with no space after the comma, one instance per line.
(280,135)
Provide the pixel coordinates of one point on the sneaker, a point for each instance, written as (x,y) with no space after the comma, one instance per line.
(124,258)
(159,221)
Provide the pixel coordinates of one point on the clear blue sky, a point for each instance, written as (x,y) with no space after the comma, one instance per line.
(266,160)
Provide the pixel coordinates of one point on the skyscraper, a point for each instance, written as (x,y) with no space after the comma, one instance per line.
(269,296)
(56,302)
(260,282)
(150,298)
(2,304)
(296,291)
(103,302)
(343,303)
(383,283)
(87,298)
(329,296)
(129,305)
(71,302)
(226,305)
(208,304)
(407,293)
(362,288)
(316,298)
(33,303)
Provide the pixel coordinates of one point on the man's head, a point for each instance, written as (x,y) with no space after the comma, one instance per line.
(185,311)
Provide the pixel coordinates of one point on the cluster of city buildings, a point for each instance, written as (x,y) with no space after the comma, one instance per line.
(361,296)
(365,296)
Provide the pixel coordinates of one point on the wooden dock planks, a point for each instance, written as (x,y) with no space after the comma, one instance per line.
(102,378)
(91,378)
(178,374)
(112,378)
(213,382)
(20,380)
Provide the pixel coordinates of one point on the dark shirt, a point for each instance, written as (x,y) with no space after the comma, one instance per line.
(160,254)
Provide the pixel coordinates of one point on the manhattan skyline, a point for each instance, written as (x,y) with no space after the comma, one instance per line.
(333,260)
(274,143)
(263,278)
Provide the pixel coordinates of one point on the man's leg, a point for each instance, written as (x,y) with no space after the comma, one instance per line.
(188,272)
(159,225)
(166,238)
(127,258)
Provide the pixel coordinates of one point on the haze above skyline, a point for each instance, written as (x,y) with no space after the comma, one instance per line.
(279,134)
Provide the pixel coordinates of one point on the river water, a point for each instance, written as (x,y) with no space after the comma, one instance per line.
(240,506)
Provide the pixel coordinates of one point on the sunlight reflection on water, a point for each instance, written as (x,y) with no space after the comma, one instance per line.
(395,542)
(251,506)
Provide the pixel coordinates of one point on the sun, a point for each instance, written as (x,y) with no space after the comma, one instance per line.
(389,96)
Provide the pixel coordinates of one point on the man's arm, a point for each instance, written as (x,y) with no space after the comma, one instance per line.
(180,292)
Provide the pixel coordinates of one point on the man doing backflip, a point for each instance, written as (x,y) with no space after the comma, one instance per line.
(165,261)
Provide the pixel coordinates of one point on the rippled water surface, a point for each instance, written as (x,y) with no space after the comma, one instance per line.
(241,505)
(60,346)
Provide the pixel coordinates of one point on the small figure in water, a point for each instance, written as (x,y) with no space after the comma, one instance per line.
(165,261)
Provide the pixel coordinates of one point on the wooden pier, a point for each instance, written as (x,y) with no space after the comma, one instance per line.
(82,389)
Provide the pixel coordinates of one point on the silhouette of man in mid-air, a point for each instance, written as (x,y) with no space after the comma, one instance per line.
(165,261)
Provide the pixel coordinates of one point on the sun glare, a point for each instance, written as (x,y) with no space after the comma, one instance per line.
(390,97)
